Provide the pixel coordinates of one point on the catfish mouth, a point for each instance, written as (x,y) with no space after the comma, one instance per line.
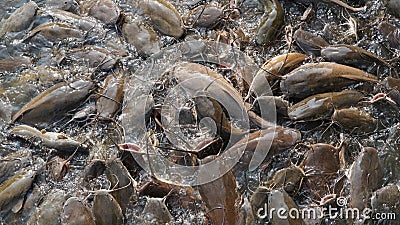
(130,147)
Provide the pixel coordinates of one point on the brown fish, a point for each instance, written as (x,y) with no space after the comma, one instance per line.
(20,19)
(391,32)
(13,190)
(106,11)
(106,209)
(279,199)
(141,36)
(314,78)
(352,56)
(220,198)
(321,165)
(164,16)
(309,42)
(263,143)
(272,71)
(51,104)
(122,181)
(158,212)
(50,209)
(75,212)
(270,23)
(218,96)
(110,101)
(95,57)
(353,119)
(386,200)
(321,106)
(55,32)
(338,2)
(13,64)
(365,176)
(289,179)
(54,140)
(204,16)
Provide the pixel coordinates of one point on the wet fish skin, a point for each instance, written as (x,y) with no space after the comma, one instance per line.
(110,101)
(215,86)
(289,179)
(164,16)
(314,78)
(75,212)
(222,201)
(120,177)
(206,16)
(352,56)
(157,210)
(282,64)
(55,32)
(338,2)
(309,43)
(355,120)
(321,106)
(321,157)
(365,176)
(391,32)
(321,165)
(386,199)
(54,140)
(96,57)
(13,64)
(50,209)
(280,199)
(272,71)
(14,189)
(65,5)
(268,102)
(106,11)
(106,209)
(270,23)
(20,19)
(141,36)
(11,163)
(51,104)
(274,140)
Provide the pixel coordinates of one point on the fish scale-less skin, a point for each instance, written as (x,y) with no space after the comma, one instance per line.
(50,209)
(14,188)
(321,106)
(48,139)
(112,96)
(314,78)
(365,177)
(52,103)
(164,16)
(20,19)
(106,210)
(271,22)
(76,213)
